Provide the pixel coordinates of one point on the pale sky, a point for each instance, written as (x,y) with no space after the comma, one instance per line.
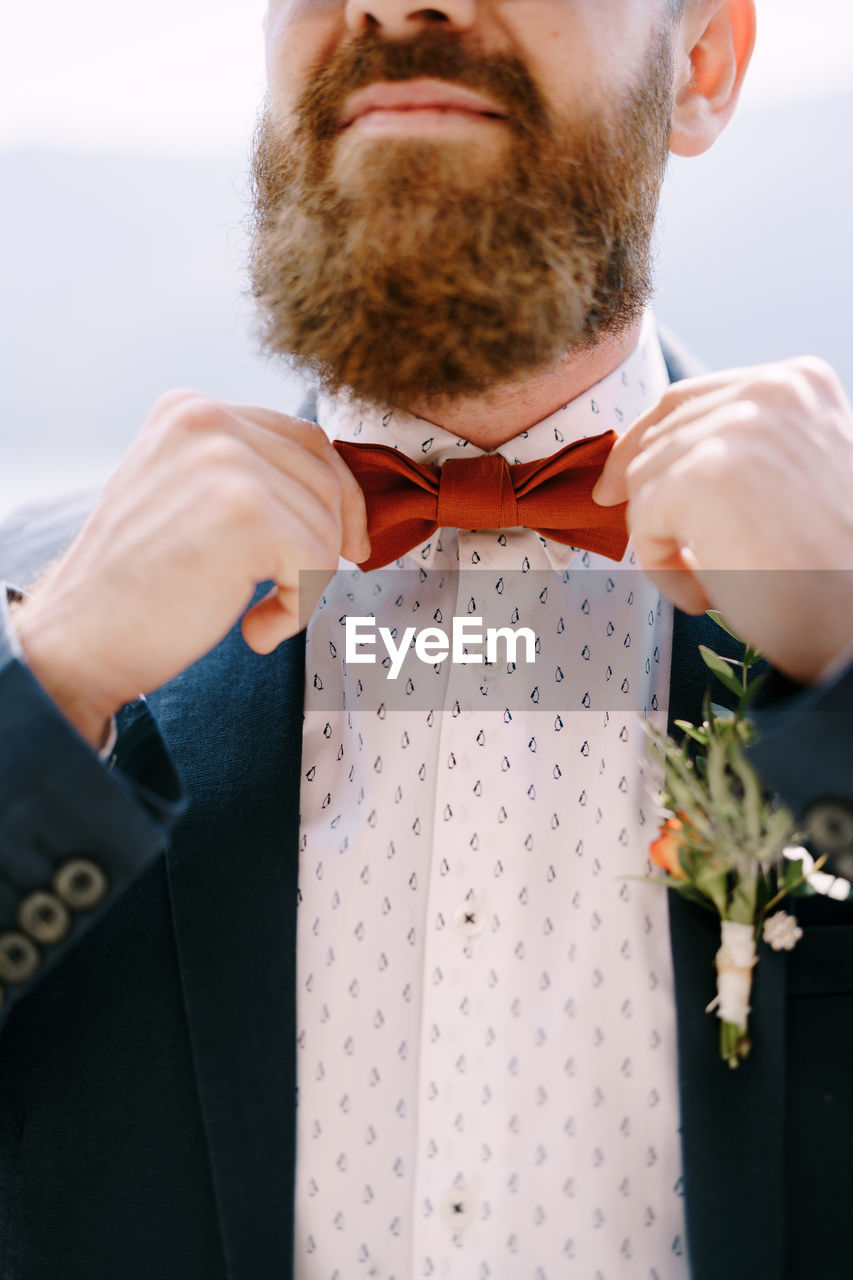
(177,75)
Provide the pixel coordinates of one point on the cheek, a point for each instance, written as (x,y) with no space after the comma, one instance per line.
(300,37)
(578,51)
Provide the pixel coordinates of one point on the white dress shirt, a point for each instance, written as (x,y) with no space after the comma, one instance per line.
(486,1026)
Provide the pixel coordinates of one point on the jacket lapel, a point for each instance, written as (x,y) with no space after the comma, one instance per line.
(232,868)
(732,1122)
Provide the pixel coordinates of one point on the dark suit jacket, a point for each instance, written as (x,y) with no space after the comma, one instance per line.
(147,1070)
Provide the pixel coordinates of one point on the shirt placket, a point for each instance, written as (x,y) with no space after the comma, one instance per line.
(451,1204)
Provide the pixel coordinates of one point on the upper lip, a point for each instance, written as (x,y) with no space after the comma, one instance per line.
(409,95)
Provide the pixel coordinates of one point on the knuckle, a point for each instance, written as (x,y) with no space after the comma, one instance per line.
(218,452)
(743,415)
(241,499)
(179,403)
(196,413)
(174,397)
(167,407)
(308,435)
(814,369)
(312,430)
(782,386)
(802,395)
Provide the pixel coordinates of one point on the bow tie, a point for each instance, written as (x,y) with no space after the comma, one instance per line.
(407,501)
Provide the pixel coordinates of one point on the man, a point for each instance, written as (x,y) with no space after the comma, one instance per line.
(454,213)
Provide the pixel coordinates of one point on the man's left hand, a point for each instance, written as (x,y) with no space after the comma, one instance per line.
(740,497)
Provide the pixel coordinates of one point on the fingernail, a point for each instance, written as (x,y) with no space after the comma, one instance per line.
(365,549)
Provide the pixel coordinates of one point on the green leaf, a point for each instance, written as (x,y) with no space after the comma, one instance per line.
(722,670)
(698,735)
(793,872)
(713,883)
(718,618)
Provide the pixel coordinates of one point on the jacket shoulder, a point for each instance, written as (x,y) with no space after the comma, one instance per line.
(35,534)
(680,361)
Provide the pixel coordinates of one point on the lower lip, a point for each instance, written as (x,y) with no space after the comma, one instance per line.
(420,120)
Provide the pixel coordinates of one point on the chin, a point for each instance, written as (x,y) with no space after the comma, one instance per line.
(415,165)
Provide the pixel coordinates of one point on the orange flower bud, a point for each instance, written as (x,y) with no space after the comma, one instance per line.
(664,850)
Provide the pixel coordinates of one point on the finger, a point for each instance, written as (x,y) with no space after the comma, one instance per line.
(665,451)
(667,563)
(297,506)
(267,623)
(667,417)
(673,577)
(280,614)
(301,568)
(275,436)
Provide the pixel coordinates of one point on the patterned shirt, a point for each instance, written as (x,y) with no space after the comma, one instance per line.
(486,1025)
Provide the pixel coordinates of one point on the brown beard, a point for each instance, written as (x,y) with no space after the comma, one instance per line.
(440,273)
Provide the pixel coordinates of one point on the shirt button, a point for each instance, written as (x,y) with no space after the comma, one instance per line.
(470,919)
(458,1209)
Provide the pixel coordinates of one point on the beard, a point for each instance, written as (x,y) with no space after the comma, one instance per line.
(412,269)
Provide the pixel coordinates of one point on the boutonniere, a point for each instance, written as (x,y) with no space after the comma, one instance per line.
(723,844)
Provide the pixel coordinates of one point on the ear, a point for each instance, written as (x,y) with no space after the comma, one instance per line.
(713,46)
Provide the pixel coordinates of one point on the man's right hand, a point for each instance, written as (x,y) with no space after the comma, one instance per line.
(211,499)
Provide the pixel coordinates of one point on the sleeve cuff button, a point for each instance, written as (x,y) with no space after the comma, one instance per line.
(80,883)
(44,918)
(19,957)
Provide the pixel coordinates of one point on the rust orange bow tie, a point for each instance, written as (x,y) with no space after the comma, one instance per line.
(407,501)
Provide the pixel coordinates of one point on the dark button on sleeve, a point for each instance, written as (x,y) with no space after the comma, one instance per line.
(44,917)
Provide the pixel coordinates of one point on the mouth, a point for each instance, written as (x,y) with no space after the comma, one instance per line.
(412,106)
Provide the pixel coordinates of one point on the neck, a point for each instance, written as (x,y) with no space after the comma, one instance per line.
(505,411)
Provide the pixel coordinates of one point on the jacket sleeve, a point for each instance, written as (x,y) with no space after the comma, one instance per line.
(74,831)
(805,754)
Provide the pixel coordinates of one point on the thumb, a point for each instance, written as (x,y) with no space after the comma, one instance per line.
(283,611)
(270,621)
(610,489)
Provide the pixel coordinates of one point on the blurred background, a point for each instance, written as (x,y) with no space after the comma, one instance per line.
(124,140)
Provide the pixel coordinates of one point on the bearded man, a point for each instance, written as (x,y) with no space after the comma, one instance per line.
(497,1031)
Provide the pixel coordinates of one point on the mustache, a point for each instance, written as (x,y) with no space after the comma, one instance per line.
(369,58)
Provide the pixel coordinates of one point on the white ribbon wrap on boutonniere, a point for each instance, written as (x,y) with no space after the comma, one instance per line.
(735,961)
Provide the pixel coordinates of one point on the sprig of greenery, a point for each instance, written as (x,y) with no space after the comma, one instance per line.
(730,834)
